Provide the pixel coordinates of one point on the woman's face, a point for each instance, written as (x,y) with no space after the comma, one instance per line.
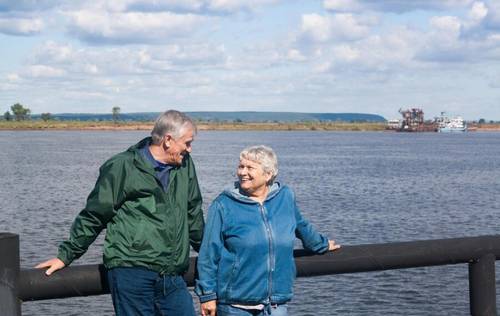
(251,176)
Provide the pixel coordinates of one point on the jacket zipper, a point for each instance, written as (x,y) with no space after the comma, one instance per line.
(167,195)
(168,202)
(271,251)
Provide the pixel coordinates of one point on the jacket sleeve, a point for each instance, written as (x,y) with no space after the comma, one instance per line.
(195,211)
(311,239)
(101,206)
(210,254)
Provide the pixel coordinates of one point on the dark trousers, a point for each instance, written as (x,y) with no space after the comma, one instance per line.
(142,292)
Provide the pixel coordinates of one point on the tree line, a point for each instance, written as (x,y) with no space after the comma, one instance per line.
(22,113)
(19,112)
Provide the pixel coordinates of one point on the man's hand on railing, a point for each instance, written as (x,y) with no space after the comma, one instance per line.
(53,265)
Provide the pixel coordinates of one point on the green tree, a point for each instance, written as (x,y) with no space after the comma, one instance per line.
(20,112)
(482,121)
(116,113)
(7,116)
(46,117)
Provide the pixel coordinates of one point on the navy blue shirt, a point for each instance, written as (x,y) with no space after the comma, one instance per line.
(162,170)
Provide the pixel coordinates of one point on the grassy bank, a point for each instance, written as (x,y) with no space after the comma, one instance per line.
(222,126)
(217,126)
(73,125)
(493,127)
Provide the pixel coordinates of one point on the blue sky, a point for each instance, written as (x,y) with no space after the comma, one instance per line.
(361,56)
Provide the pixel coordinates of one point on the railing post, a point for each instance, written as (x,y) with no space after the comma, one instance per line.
(482,291)
(9,275)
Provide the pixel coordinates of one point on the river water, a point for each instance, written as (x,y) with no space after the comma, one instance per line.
(355,187)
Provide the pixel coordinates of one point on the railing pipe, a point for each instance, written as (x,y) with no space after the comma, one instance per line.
(75,280)
(10,304)
(481,252)
(398,255)
(482,290)
(78,280)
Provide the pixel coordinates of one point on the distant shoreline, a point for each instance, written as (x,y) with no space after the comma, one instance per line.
(204,126)
(211,126)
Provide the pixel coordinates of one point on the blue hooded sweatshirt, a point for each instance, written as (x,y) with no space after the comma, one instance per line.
(246,256)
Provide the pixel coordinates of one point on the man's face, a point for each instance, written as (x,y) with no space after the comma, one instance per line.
(178,148)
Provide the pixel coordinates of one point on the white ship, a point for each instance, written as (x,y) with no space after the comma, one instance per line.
(448,125)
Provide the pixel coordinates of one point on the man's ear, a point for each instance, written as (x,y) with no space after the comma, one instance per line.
(167,140)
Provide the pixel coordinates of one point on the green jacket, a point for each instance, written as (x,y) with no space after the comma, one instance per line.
(145,226)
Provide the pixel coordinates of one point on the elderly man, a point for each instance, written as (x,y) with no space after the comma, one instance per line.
(149,201)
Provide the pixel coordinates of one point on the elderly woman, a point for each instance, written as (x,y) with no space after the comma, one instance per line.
(246,265)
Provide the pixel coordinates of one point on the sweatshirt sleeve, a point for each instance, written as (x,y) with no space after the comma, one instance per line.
(210,253)
(100,208)
(311,239)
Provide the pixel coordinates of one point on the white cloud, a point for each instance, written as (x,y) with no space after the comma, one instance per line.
(27,5)
(446,24)
(318,28)
(54,53)
(467,39)
(13,78)
(134,27)
(492,19)
(237,5)
(295,55)
(482,22)
(181,58)
(180,6)
(349,43)
(376,54)
(91,69)
(121,21)
(43,71)
(21,26)
(346,53)
(478,12)
(343,5)
(125,61)
(399,6)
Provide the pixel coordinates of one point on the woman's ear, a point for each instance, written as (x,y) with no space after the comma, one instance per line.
(269,176)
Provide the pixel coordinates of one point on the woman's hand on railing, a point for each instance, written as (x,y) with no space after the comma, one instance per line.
(208,308)
(53,265)
(332,246)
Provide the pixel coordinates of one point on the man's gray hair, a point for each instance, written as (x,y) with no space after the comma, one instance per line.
(263,155)
(171,122)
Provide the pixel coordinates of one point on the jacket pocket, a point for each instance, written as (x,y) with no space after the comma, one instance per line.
(139,241)
(231,276)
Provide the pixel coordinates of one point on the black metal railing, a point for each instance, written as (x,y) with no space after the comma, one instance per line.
(479,253)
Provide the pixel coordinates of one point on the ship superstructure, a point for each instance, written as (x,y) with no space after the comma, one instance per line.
(449,125)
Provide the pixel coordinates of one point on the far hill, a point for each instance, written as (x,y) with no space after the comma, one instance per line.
(231,117)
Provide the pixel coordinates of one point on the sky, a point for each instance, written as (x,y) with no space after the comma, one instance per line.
(331,56)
